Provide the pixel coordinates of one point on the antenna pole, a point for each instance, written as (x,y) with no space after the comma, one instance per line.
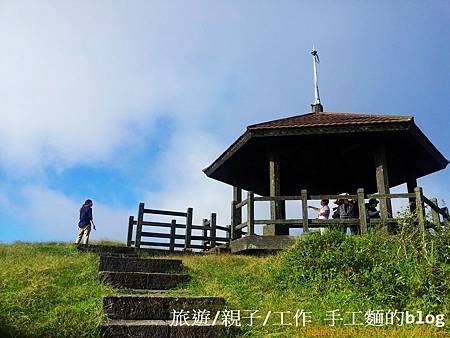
(316,106)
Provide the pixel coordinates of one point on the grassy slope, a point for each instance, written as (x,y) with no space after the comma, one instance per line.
(52,290)
(49,290)
(323,273)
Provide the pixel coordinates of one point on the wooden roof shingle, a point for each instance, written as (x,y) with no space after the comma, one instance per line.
(328,119)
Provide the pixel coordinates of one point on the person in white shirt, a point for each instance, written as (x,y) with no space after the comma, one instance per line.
(323,211)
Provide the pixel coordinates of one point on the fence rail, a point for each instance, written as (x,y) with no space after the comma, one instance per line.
(146,234)
(361,221)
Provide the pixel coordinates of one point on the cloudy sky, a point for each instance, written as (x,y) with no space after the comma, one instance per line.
(124,102)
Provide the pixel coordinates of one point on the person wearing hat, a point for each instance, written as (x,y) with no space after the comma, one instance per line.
(371,209)
(346,209)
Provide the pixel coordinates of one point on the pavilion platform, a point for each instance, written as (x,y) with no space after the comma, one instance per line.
(256,244)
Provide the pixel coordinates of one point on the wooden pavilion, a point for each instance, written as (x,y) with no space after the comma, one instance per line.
(308,157)
(323,153)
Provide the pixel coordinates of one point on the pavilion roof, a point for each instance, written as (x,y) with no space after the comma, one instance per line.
(346,139)
(329,119)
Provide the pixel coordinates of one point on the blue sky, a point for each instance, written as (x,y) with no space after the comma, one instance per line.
(126,102)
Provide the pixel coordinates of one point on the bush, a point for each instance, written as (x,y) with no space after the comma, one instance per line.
(407,271)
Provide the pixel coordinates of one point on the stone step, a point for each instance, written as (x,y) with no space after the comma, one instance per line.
(119,255)
(109,263)
(143,280)
(221,249)
(106,249)
(160,329)
(157,306)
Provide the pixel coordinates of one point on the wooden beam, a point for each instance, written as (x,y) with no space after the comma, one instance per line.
(277,207)
(250,213)
(213,224)
(381,173)
(362,211)
(304,195)
(420,208)
(173,229)
(205,225)
(164,212)
(435,215)
(130,230)
(411,184)
(237,194)
(187,241)
(140,220)
(236,213)
(274,181)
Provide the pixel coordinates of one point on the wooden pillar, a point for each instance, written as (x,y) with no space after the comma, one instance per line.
(250,213)
(362,211)
(173,232)
(236,214)
(187,239)
(381,172)
(411,185)
(434,215)
(420,208)
(205,225)
(140,219)
(213,226)
(277,207)
(130,230)
(304,194)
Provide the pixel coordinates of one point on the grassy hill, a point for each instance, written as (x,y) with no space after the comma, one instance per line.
(50,289)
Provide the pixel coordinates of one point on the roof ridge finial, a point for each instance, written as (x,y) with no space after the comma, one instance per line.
(316,106)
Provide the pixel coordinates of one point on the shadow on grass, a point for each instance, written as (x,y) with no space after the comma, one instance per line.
(8,332)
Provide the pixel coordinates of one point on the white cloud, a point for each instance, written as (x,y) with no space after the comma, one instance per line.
(75,85)
(82,81)
(53,216)
(184,183)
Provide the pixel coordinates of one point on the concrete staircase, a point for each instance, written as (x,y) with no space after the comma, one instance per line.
(150,314)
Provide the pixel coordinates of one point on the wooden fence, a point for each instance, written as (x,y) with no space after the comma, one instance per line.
(249,225)
(173,240)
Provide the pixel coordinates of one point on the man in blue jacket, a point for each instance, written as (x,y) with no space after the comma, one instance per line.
(84,225)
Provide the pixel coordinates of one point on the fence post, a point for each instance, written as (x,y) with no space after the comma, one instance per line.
(233,234)
(130,230)
(205,225)
(213,224)
(140,219)
(420,207)
(434,214)
(173,228)
(304,195)
(236,214)
(362,211)
(187,241)
(250,213)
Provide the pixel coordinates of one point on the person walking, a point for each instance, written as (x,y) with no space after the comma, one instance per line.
(84,225)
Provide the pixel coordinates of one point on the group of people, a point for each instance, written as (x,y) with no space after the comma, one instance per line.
(346,208)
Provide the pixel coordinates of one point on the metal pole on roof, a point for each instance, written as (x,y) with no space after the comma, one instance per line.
(316,106)
(316,83)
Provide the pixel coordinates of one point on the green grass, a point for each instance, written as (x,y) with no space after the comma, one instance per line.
(51,290)
(323,273)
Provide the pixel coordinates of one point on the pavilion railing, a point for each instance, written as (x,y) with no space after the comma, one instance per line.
(147,233)
(417,201)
